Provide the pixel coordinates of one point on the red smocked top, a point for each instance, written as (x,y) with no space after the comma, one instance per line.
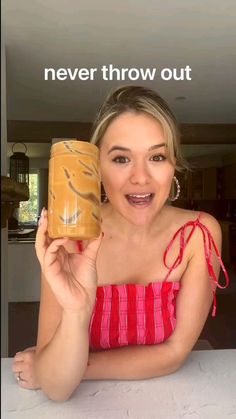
(135,314)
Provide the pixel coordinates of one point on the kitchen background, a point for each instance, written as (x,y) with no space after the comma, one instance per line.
(34,112)
(210,186)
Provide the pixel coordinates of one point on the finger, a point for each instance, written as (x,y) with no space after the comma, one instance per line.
(92,247)
(41,236)
(17,367)
(74,246)
(31,348)
(19,356)
(52,250)
(45,215)
(24,384)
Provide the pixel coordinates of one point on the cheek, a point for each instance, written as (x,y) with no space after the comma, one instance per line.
(112,178)
(108,180)
(104,171)
(164,177)
(112,183)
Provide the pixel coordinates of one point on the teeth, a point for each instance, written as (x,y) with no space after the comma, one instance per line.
(141,196)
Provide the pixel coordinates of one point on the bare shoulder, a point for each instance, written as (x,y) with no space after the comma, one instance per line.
(182,216)
(211,223)
(178,217)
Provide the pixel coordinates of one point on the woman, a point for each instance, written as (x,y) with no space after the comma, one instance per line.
(130,304)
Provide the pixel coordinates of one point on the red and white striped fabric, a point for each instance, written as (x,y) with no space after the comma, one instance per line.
(135,314)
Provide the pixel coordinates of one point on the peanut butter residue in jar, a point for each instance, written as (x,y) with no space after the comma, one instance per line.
(74,190)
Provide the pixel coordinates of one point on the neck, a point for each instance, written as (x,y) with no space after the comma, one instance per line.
(136,234)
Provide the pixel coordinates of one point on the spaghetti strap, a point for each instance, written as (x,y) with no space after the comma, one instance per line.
(209,247)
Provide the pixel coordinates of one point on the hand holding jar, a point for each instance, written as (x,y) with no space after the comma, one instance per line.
(71,276)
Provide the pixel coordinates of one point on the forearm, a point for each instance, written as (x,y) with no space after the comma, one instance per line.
(61,364)
(132,363)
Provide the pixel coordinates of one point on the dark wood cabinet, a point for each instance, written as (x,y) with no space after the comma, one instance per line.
(199,184)
(229,182)
(210,183)
(22,326)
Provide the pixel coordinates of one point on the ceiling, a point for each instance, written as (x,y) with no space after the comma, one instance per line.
(129,34)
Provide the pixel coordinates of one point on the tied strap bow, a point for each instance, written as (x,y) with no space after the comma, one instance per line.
(209,247)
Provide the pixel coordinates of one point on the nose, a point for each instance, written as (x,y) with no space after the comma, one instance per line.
(140,174)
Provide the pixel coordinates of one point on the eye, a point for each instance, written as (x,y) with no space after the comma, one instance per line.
(158,157)
(120,159)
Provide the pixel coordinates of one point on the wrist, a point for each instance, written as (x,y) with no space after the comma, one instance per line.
(80,317)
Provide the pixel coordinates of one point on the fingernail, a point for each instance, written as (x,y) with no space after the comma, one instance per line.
(40,221)
(41,217)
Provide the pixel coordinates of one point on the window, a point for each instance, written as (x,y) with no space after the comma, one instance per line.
(28,210)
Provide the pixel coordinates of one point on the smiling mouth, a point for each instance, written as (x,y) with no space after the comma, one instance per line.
(140,200)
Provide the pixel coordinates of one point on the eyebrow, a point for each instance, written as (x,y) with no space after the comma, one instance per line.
(120,148)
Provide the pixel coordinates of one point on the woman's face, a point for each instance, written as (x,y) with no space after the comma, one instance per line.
(134,168)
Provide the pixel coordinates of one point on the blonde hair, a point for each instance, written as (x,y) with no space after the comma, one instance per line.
(139,99)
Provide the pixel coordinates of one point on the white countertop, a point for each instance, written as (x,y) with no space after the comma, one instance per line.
(204,388)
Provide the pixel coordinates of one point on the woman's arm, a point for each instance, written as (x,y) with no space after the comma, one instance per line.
(62,346)
(69,291)
(133,363)
(61,364)
(51,323)
(192,307)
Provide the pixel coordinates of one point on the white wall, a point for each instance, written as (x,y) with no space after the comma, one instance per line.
(38,163)
(4,292)
(23,273)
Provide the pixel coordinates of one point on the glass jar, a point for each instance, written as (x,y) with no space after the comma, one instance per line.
(74,191)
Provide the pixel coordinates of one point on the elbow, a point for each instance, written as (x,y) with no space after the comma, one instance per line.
(59,398)
(181,359)
(178,364)
(56,390)
(177,357)
(174,366)
(58,395)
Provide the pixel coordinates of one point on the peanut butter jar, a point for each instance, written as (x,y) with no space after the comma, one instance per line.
(74,191)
